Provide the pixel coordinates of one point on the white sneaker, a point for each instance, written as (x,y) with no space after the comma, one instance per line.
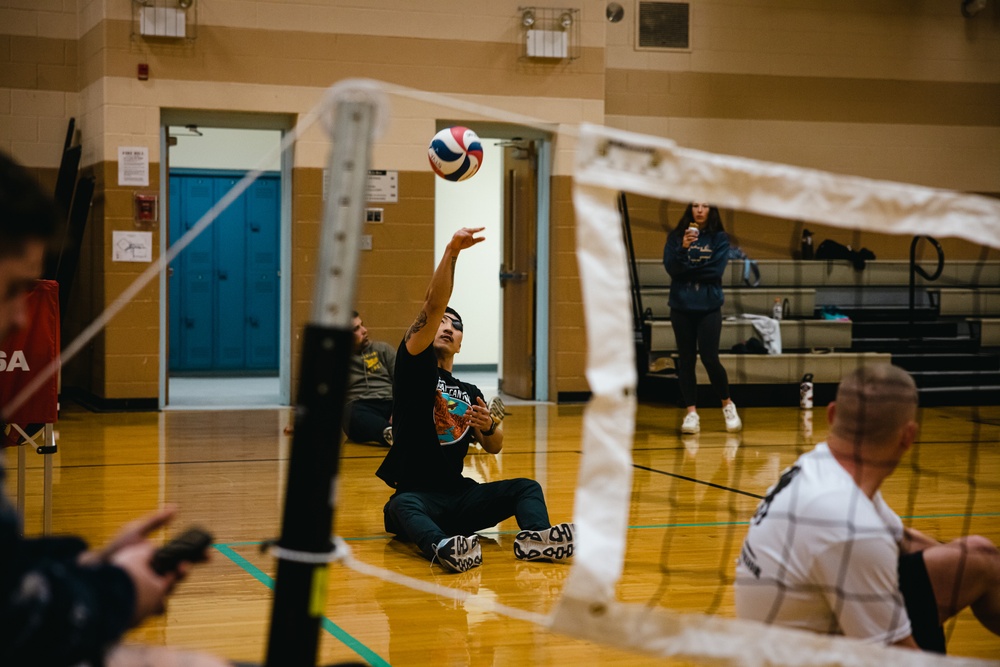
(459,553)
(554,543)
(691,423)
(733,423)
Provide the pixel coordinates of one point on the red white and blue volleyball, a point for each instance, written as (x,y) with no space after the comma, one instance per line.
(455,153)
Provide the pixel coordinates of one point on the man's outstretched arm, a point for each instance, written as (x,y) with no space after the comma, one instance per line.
(421,333)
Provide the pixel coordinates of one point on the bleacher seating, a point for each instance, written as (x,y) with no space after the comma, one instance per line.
(958,314)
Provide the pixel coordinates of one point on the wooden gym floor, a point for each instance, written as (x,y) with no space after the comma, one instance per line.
(690,501)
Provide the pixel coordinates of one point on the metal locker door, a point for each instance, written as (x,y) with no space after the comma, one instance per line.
(197,268)
(230,279)
(263,223)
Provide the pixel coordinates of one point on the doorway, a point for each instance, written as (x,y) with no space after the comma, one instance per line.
(503,294)
(224,304)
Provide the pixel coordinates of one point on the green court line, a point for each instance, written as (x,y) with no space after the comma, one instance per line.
(373,658)
(376,660)
(710,524)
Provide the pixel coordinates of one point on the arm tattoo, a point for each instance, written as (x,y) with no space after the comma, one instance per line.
(417,325)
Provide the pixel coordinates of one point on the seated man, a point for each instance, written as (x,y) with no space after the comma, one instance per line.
(435,417)
(61,603)
(825,553)
(368,404)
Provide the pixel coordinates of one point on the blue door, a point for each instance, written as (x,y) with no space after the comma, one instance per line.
(224,286)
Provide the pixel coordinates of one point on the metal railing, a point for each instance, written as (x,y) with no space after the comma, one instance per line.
(916,268)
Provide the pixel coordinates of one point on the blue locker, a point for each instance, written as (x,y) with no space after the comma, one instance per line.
(224,294)
(174,277)
(263,215)
(197,279)
(230,275)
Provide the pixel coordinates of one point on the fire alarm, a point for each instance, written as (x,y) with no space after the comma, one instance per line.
(143,72)
(146,209)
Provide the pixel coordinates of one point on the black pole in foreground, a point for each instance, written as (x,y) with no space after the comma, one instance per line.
(305,548)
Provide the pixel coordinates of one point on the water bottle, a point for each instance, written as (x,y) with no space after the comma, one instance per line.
(777,310)
(806,392)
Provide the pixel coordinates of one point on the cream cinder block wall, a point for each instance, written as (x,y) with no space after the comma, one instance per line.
(902,91)
(276,57)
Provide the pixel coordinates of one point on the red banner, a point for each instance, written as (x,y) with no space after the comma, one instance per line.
(28,351)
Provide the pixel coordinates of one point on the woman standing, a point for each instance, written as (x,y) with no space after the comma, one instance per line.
(696,255)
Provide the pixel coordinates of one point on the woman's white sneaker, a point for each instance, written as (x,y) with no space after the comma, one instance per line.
(733,423)
(691,423)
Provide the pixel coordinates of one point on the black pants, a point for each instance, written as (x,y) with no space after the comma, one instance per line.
(921,605)
(698,332)
(427,517)
(364,420)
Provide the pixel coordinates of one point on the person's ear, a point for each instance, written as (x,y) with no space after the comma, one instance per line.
(831,412)
(908,435)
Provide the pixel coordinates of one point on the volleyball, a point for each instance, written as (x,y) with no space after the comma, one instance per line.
(455,153)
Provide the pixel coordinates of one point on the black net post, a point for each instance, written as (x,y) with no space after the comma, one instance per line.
(305,548)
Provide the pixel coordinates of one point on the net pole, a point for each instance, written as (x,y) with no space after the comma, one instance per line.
(305,548)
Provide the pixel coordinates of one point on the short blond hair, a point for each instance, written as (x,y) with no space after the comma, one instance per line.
(874,403)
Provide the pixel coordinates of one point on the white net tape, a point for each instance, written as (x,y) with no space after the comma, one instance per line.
(609,161)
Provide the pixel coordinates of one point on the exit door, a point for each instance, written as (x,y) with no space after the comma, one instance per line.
(224,286)
(518,268)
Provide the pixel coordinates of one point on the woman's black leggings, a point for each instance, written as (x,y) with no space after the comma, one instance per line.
(698,332)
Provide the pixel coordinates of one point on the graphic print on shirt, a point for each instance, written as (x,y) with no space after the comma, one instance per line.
(452,413)
(372,362)
(699,253)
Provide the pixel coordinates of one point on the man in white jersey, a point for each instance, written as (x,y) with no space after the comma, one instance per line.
(825,553)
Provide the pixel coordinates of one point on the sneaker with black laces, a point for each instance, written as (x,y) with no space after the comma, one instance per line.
(459,553)
(387,435)
(555,543)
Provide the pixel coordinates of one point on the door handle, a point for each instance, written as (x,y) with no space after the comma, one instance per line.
(513,275)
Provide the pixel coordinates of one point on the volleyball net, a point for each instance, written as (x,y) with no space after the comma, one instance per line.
(609,162)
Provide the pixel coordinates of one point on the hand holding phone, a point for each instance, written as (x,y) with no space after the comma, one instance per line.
(190,546)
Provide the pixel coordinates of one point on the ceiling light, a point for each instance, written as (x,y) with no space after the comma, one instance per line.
(528,18)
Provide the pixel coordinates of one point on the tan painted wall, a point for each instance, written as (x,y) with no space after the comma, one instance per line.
(898,90)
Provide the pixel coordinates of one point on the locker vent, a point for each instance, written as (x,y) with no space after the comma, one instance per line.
(664,25)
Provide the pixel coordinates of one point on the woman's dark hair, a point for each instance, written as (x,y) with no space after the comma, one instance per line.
(712,225)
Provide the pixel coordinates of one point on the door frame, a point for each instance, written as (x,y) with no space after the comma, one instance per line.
(507,131)
(242,121)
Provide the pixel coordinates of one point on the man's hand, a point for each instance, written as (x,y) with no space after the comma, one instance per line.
(151,589)
(481,418)
(490,430)
(133,552)
(131,533)
(465,238)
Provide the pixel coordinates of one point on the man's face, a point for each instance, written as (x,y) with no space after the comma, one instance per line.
(18,272)
(360,334)
(449,335)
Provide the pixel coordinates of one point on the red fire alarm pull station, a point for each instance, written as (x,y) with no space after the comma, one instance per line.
(143,72)
(146,209)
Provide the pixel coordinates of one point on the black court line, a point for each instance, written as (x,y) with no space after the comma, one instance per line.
(698,481)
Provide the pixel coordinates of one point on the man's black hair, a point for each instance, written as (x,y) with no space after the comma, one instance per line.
(454,313)
(26,211)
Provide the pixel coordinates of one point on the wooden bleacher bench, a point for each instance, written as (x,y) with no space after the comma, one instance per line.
(796,335)
(739,300)
(837,273)
(788,369)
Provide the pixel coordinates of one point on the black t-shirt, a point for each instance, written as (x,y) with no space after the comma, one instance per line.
(430,420)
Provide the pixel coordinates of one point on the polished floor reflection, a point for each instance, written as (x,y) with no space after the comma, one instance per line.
(690,499)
